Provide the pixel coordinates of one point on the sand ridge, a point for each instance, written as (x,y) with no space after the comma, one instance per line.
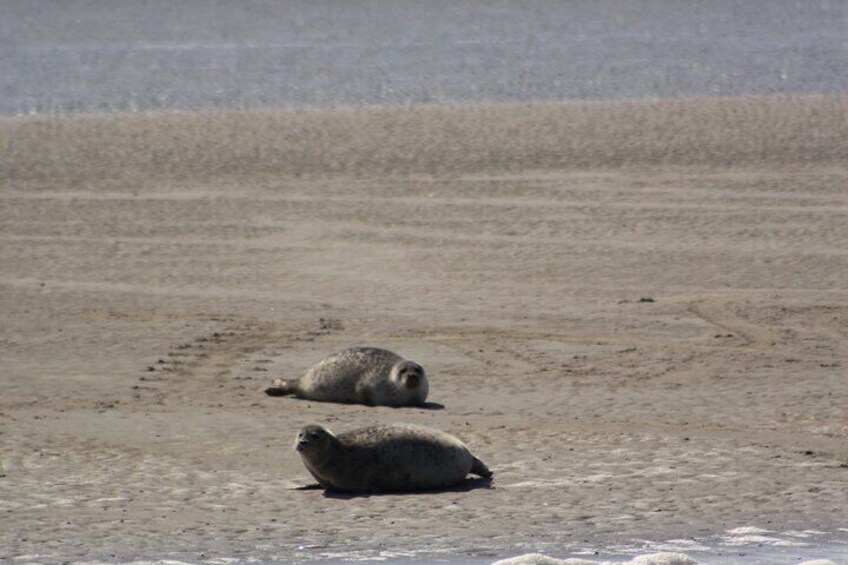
(204,145)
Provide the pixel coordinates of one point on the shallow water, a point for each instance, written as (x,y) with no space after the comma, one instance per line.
(84,56)
(739,546)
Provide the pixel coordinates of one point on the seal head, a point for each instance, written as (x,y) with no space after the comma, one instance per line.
(313,440)
(410,381)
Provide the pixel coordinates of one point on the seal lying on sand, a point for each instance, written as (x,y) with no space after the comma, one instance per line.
(386,458)
(361,375)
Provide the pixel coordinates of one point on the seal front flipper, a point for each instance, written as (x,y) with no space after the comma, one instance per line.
(281,387)
(310,486)
(479,468)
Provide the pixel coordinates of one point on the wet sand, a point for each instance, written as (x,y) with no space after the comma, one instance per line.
(635,312)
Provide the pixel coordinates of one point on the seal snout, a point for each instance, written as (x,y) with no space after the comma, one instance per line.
(301,444)
(307,439)
(411,375)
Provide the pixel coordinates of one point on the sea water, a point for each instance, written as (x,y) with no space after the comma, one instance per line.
(76,56)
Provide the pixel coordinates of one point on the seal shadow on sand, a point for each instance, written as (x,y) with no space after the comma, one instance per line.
(428,406)
(423,406)
(465,486)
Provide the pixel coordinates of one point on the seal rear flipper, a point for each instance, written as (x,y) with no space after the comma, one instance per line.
(479,468)
(281,387)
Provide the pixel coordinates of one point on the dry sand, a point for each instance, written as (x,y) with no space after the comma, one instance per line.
(158,270)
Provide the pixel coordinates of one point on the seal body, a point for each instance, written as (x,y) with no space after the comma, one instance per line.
(360,375)
(386,458)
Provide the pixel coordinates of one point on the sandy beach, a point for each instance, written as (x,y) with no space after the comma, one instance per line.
(635,312)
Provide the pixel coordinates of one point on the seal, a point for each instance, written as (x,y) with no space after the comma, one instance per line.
(386,458)
(360,375)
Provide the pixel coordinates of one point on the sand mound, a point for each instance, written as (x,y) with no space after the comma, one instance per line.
(426,139)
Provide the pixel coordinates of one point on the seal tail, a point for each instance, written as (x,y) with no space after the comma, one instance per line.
(479,468)
(281,387)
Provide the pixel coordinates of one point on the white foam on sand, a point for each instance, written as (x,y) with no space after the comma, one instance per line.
(760,537)
(662,558)
(742,545)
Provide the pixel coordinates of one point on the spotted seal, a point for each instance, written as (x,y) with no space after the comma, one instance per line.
(360,375)
(386,458)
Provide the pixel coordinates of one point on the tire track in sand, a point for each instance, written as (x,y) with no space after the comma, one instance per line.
(224,359)
(719,313)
